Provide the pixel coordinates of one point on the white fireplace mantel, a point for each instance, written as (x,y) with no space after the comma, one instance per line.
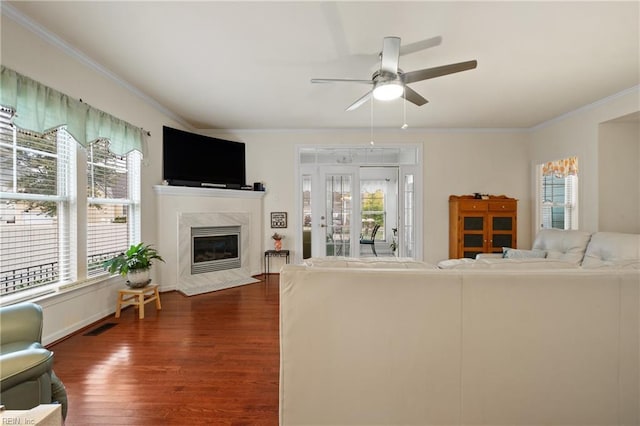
(175,203)
(191,191)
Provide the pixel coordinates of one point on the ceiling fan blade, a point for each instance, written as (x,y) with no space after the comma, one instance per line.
(413,96)
(360,101)
(420,45)
(390,55)
(340,80)
(425,74)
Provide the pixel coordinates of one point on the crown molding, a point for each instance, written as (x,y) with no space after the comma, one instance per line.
(381,130)
(11,12)
(584,108)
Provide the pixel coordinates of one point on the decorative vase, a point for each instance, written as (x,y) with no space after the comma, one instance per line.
(138,278)
(277,244)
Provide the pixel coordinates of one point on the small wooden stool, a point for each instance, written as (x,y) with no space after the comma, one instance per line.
(138,297)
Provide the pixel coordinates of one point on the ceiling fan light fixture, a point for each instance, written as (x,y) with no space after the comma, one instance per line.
(388,90)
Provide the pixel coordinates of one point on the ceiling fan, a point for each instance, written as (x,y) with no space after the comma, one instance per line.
(390,82)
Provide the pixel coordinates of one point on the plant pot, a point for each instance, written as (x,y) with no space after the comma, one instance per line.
(277,244)
(138,278)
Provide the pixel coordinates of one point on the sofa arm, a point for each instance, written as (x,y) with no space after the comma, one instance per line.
(489,255)
(21,366)
(21,322)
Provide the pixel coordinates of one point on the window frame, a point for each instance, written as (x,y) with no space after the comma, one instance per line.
(73,202)
(131,202)
(570,204)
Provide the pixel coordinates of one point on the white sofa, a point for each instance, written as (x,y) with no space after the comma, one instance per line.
(559,249)
(424,346)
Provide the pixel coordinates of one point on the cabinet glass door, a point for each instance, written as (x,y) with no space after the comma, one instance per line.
(501,234)
(473,235)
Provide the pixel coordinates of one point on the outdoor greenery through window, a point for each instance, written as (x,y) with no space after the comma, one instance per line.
(39,204)
(372,209)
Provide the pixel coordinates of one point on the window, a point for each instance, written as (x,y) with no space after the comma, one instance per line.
(372,208)
(113,204)
(558,201)
(38,192)
(34,207)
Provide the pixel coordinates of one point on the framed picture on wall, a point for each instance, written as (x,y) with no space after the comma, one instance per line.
(278,219)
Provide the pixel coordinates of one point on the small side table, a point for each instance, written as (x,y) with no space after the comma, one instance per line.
(274,253)
(138,297)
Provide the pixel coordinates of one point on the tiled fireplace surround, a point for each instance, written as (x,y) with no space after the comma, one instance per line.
(179,209)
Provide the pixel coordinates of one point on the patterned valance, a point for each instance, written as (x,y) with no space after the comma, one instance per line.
(561,168)
(39,108)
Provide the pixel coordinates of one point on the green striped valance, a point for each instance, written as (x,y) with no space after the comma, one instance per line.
(39,108)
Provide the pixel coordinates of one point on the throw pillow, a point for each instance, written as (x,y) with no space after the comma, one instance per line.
(511,253)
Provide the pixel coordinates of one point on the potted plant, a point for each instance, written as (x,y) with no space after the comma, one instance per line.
(135,264)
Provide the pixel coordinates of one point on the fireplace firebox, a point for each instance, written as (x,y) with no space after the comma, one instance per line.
(215,248)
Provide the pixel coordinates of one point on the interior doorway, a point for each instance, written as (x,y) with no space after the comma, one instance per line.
(378,211)
(359,202)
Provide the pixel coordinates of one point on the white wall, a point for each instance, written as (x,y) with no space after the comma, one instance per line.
(455,162)
(464,163)
(578,134)
(28,54)
(619,177)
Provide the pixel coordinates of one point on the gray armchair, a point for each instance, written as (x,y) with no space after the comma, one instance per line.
(26,367)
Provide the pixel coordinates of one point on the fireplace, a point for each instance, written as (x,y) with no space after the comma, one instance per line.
(215,248)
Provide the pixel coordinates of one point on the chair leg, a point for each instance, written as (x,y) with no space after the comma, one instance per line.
(373,248)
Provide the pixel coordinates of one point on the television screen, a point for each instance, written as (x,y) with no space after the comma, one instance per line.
(193,160)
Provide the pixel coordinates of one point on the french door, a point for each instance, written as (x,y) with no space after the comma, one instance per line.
(334,231)
(332,220)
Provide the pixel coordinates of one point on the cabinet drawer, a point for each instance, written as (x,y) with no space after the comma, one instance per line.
(502,206)
(473,205)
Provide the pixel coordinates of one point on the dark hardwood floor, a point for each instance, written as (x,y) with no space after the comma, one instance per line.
(211,359)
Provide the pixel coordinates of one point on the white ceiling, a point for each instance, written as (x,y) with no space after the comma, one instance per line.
(247,65)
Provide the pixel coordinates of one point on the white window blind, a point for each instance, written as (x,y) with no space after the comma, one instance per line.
(34,207)
(113,217)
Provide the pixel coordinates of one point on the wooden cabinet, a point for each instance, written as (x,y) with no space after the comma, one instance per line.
(481,225)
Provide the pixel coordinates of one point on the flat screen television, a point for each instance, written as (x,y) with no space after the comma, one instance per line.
(189,159)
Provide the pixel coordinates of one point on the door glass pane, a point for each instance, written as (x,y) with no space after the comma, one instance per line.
(306,216)
(372,207)
(408,217)
(338,203)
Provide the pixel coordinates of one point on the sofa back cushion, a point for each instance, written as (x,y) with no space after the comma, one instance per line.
(564,245)
(613,249)
(506,264)
(368,262)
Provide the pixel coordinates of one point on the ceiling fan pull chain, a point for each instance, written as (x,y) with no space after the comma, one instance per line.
(404,109)
(372,143)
